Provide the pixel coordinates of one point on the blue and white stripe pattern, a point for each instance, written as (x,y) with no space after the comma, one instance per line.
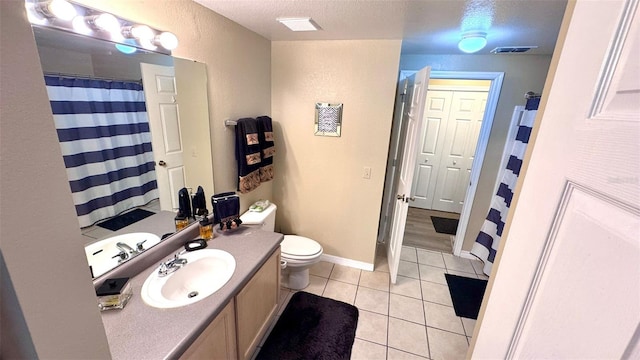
(106,145)
(488,239)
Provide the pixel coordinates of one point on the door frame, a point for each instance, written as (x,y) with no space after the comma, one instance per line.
(481,147)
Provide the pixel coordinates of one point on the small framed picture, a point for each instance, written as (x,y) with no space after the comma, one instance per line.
(328,119)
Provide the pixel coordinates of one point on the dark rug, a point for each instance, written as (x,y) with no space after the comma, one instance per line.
(312,327)
(444,225)
(120,221)
(466,294)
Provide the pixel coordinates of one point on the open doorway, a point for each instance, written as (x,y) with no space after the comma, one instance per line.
(453,116)
(495,79)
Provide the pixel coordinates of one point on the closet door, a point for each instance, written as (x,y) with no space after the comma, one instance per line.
(463,127)
(436,114)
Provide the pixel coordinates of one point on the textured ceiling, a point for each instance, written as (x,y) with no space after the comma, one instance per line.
(426,26)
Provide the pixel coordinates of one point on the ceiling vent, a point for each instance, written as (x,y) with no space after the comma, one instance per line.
(512,49)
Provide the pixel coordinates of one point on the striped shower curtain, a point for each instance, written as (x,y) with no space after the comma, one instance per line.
(106,145)
(488,239)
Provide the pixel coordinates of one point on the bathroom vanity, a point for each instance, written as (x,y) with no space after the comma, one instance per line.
(228,324)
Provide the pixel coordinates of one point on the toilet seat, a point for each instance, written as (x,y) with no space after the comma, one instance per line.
(295,247)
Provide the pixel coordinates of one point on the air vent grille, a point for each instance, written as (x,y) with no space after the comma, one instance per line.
(512,49)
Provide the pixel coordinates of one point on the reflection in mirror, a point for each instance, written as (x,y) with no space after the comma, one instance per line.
(127,162)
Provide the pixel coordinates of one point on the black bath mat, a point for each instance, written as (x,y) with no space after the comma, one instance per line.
(120,221)
(444,225)
(466,294)
(312,327)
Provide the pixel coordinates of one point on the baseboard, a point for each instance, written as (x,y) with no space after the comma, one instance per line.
(347,262)
(467,255)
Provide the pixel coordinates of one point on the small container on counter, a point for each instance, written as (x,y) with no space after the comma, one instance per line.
(114,293)
(181,221)
(206,228)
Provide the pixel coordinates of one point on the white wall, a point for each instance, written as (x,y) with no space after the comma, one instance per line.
(319,185)
(522,73)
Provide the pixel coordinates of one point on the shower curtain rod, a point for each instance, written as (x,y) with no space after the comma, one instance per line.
(88,77)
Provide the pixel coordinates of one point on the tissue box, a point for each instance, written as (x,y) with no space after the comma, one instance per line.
(114,294)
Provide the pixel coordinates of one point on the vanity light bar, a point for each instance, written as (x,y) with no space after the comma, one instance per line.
(76,18)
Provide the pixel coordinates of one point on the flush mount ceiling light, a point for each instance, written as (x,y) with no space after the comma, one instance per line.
(473,41)
(299,24)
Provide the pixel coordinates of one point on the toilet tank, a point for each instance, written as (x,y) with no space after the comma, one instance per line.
(265,219)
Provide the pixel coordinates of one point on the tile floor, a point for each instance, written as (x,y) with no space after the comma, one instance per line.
(412,319)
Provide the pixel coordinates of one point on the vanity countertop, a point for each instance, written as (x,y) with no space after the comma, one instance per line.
(140,331)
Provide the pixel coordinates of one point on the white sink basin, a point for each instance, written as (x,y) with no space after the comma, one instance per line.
(100,254)
(205,272)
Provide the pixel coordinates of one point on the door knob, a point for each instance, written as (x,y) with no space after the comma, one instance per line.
(426,160)
(413,198)
(454,163)
(400,197)
(162,163)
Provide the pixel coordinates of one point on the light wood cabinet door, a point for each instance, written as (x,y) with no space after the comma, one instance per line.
(256,304)
(218,340)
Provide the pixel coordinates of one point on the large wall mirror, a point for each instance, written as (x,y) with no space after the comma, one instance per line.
(171,144)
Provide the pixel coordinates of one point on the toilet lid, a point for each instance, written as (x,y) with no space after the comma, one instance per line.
(294,245)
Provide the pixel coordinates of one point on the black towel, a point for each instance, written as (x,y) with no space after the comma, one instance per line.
(267,147)
(226,210)
(248,155)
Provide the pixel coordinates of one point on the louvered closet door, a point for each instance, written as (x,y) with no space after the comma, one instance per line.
(463,127)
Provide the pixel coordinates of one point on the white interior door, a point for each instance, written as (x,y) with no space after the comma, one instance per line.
(436,114)
(413,116)
(390,183)
(164,120)
(461,138)
(566,283)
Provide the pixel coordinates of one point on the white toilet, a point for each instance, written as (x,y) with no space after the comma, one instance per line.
(298,253)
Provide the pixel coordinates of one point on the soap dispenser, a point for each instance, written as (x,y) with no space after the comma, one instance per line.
(181,221)
(206,228)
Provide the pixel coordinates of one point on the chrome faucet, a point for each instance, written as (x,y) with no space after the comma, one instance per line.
(127,251)
(126,248)
(172,265)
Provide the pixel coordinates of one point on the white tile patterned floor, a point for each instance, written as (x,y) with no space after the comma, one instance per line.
(411,319)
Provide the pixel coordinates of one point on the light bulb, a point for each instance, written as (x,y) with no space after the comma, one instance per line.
(141,32)
(168,40)
(62,9)
(107,22)
(59,9)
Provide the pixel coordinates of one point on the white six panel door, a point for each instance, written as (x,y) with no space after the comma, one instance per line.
(413,117)
(164,121)
(459,146)
(436,115)
(566,283)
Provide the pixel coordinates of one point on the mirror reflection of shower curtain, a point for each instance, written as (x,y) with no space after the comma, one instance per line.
(488,240)
(104,135)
